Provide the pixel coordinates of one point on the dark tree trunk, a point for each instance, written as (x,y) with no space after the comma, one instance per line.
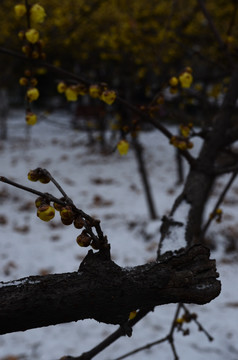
(144,177)
(106,292)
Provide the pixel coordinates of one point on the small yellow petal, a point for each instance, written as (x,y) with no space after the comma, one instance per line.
(32,94)
(31,118)
(20,10)
(123,147)
(45,212)
(71,94)
(61,87)
(32,35)
(95,91)
(132,315)
(37,14)
(108,96)
(173,81)
(186,79)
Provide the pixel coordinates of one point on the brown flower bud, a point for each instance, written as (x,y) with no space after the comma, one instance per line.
(83,239)
(78,222)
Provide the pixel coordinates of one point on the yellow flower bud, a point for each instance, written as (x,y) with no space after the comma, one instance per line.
(39,201)
(31,118)
(34,82)
(78,222)
(26,49)
(123,147)
(20,10)
(21,35)
(33,175)
(108,96)
(173,81)
(71,93)
(44,179)
(61,87)
(23,81)
(67,213)
(180,320)
(94,91)
(37,14)
(185,130)
(45,212)
(32,94)
(32,35)
(57,206)
(83,239)
(132,315)
(186,79)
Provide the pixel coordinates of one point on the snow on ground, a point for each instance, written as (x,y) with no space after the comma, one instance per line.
(109,188)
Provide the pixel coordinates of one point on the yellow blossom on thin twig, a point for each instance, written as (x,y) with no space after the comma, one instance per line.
(20,10)
(71,93)
(31,118)
(32,94)
(108,96)
(37,14)
(32,35)
(186,79)
(123,147)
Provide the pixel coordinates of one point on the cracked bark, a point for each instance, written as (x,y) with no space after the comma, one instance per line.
(106,292)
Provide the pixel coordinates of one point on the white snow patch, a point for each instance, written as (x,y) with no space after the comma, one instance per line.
(175,238)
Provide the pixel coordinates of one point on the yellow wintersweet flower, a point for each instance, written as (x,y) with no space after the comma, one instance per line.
(31,118)
(108,96)
(32,35)
(20,10)
(71,93)
(37,14)
(185,130)
(123,147)
(23,81)
(173,81)
(46,212)
(132,315)
(186,79)
(95,91)
(61,87)
(32,94)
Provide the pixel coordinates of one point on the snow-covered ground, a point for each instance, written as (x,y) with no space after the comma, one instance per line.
(109,188)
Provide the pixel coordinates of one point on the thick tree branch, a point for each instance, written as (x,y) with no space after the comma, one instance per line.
(106,292)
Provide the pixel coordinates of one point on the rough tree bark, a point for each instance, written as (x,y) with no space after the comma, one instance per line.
(106,292)
(202,174)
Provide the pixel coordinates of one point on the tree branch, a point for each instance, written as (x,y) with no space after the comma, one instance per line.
(106,292)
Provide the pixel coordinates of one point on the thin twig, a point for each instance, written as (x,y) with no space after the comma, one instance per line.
(211,24)
(33,191)
(47,173)
(168,337)
(225,170)
(219,201)
(100,240)
(233,18)
(145,347)
(121,331)
(200,327)
(144,116)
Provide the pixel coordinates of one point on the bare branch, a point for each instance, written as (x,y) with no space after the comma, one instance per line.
(218,203)
(106,292)
(211,24)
